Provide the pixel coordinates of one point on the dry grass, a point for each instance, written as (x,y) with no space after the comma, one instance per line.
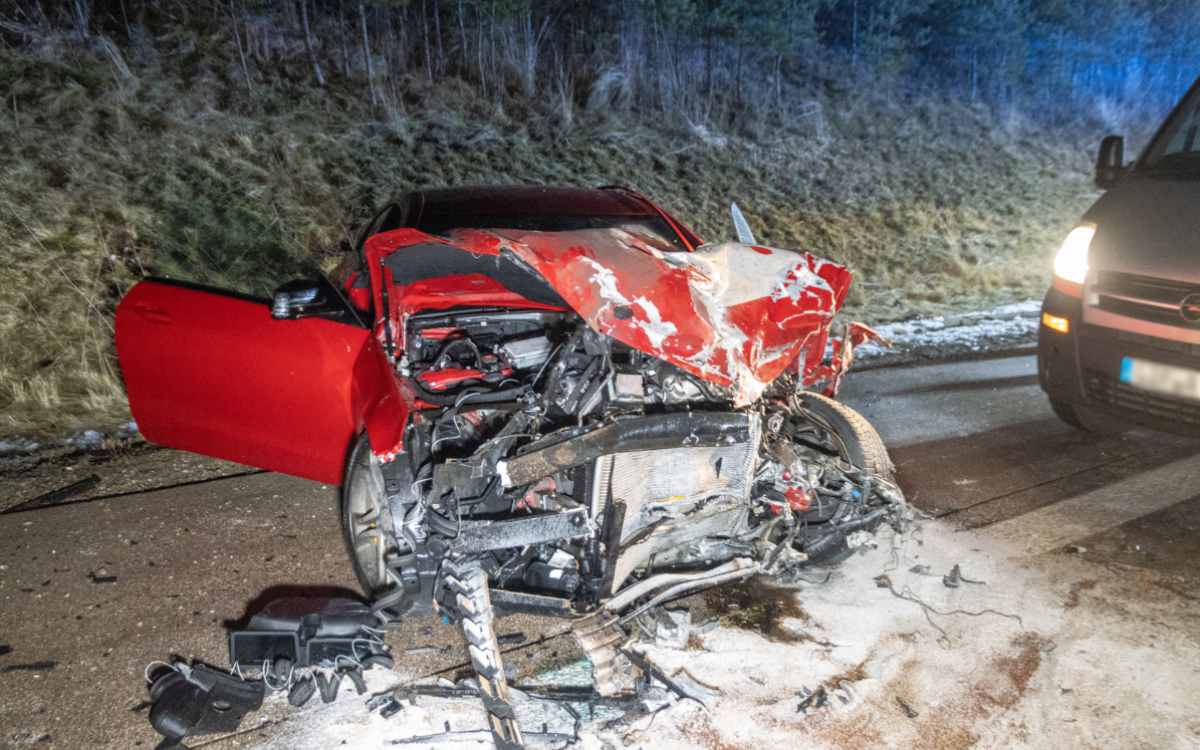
(163,164)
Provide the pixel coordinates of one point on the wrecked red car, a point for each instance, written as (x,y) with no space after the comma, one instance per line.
(546,400)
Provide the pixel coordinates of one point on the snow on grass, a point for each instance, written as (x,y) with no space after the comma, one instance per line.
(1073,671)
(1001,326)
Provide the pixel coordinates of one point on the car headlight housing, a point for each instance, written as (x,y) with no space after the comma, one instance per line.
(1071,262)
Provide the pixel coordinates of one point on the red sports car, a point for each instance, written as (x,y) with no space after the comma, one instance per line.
(539,399)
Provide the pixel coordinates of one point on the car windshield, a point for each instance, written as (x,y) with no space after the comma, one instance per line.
(1177,146)
(651,227)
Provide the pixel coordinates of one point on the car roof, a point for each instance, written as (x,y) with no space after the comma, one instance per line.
(520,200)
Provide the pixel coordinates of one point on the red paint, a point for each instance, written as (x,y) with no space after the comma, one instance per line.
(842,355)
(773,329)
(439,334)
(449,377)
(215,374)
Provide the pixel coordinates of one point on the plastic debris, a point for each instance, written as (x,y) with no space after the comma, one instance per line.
(811,700)
(33,666)
(674,627)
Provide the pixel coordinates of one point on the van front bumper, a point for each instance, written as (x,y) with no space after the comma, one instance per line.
(1083,365)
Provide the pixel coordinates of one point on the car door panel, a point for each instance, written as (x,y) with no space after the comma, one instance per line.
(213,373)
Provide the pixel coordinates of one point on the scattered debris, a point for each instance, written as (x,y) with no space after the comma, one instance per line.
(422,650)
(642,662)
(58,495)
(196,699)
(1078,588)
(908,710)
(860,539)
(811,700)
(694,687)
(673,627)
(1075,549)
(955,577)
(309,645)
(509,639)
(101,577)
(884,582)
(33,666)
(5,649)
(952,579)
(391,708)
(921,570)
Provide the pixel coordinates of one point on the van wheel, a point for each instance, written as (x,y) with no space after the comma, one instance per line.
(1086,419)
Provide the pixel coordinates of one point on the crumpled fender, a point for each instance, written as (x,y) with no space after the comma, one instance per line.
(841,357)
(378,403)
(733,314)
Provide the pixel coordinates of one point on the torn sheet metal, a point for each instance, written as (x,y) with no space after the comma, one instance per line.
(733,314)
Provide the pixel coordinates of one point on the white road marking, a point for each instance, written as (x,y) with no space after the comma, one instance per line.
(1081,516)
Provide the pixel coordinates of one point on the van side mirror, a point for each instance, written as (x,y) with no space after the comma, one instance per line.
(1110,162)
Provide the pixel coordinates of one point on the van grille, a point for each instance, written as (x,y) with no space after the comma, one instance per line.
(1143,297)
(1105,389)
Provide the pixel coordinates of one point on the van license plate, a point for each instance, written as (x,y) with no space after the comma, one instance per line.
(1166,379)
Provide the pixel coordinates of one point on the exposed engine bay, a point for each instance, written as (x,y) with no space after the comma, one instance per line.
(569,474)
(648,466)
(585,424)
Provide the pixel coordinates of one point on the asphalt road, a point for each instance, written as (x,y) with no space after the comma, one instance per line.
(92,590)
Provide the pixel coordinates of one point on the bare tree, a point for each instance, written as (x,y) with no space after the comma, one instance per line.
(308,45)
(362,17)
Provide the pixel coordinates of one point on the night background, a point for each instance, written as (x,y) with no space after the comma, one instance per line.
(941,149)
(364,384)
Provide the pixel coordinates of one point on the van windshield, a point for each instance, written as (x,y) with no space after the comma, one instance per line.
(1177,146)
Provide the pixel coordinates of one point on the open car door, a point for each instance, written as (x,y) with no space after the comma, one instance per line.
(213,373)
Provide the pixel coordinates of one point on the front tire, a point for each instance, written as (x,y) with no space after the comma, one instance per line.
(855,438)
(366,520)
(856,441)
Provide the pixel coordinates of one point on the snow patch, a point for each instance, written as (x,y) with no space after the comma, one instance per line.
(1001,663)
(970,332)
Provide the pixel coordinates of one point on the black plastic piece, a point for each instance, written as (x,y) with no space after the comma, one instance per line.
(356,677)
(196,700)
(301,692)
(307,632)
(328,686)
(541,575)
(391,708)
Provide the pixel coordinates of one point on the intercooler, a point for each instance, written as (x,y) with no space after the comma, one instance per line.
(675,495)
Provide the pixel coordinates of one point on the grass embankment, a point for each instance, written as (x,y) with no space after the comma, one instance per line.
(178,168)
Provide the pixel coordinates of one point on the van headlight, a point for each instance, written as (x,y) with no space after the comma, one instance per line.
(1071,262)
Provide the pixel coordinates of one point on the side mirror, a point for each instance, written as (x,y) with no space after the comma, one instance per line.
(303,298)
(1110,162)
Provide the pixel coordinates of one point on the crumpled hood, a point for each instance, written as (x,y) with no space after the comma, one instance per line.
(733,314)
